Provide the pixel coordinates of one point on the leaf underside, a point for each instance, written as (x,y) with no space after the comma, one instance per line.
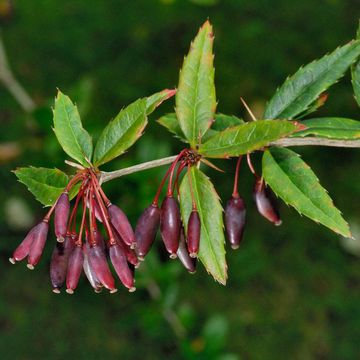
(296,184)
(246,138)
(195,97)
(331,128)
(212,250)
(73,138)
(301,90)
(45,184)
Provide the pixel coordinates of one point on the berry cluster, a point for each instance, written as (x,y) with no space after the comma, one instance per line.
(235,211)
(169,219)
(84,248)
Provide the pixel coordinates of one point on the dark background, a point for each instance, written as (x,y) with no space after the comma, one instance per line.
(293,292)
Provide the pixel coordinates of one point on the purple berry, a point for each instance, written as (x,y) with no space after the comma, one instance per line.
(89,271)
(62,210)
(75,265)
(122,225)
(170,224)
(235,216)
(119,261)
(182,252)
(193,234)
(146,229)
(37,246)
(264,202)
(59,262)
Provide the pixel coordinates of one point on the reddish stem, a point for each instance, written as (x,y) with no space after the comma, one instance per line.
(156,198)
(179,170)
(169,190)
(235,193)
(251,166)
(79,240)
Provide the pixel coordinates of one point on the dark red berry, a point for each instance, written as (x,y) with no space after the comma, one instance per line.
(193,234)
(265,203)
(235,216)
(122,225)
(119,261)
(98,262)
(170,224)
(146,229)
(74,269)
(22,251)
(37,246)
(89,271)
(129,252)
(182,252)
(59,262)
(62,210)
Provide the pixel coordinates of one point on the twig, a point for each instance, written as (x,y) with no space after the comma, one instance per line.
(107,176)
(286,142)
(10,82)
(314,141)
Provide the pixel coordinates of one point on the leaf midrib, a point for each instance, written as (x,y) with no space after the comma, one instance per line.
(202,222)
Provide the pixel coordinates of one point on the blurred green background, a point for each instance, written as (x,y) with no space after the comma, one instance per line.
(293,292)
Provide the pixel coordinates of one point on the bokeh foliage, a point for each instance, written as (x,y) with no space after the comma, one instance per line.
(293,291)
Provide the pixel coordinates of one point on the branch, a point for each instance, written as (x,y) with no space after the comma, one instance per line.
(107,176)
(286,142)
(315,141)
(10,82)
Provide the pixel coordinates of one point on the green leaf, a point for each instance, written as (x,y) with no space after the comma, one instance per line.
(45,184)
(153,101)
(212,251)
(332,128)
(73,138)
(295,183)
(222,122)
(195,97)
(171,122)
(121,132)
(246,138)
(304,87)
(355,79)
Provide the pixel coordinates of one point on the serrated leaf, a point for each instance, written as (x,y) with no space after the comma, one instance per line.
(301,90)
(222,122)
(332,128)
(246,138)
(295,183)
(212,250)
(45,184)
(153,101)
(355,79)
(171,122)
(73,138)
(121,132)
(195,97)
